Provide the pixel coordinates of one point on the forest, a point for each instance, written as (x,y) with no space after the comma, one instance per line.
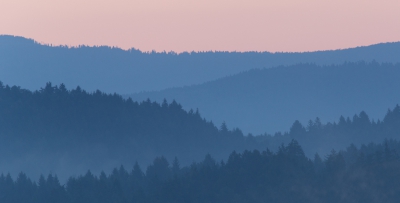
(366,174)
(71,131)
(74,126)
(270,99)
(318,137)
(27,63)
(135,101)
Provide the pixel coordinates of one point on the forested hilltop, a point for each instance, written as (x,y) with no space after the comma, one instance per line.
(366,174)
(70,131)
(29,64)
(269,100)
(358,129)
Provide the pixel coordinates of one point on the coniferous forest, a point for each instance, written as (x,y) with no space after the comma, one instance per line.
(366,174)
(30,64)
(63,128)
(199,101)
(270,99)
(71,145)
(76,125)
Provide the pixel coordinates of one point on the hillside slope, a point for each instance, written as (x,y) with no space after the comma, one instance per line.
(71,131)
(29,64)
(269,100)
(67,132)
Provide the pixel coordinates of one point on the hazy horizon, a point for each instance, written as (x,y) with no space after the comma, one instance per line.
(274,26)
(197,51)
(215,101)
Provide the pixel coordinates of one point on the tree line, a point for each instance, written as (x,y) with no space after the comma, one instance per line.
(369,173)
(77,125)
(54,123)
(319,137)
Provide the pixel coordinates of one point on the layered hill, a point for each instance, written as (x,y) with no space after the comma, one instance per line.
(67,132)
(269,100)
(368,174)
(71,131)
(29,64)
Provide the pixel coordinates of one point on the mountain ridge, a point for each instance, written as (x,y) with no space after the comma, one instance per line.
(29,64)
(33,41)
(255,100)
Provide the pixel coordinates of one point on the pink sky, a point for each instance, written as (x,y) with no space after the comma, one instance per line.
(186,25)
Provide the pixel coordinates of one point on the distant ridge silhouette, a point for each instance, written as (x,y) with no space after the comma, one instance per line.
(268,100)
(29,64)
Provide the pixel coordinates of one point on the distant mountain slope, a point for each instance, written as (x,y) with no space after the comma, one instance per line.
(269,100)
(29,64)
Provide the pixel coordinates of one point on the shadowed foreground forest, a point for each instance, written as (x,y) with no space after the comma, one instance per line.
(71,131)
(367,174)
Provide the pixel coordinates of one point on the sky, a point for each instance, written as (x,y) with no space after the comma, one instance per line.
(204,25)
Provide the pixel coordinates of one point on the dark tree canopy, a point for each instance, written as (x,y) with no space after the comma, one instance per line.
(366,174)
(77,125)
(63,128)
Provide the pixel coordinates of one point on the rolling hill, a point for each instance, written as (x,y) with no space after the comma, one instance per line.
(269,100)
(29,64)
